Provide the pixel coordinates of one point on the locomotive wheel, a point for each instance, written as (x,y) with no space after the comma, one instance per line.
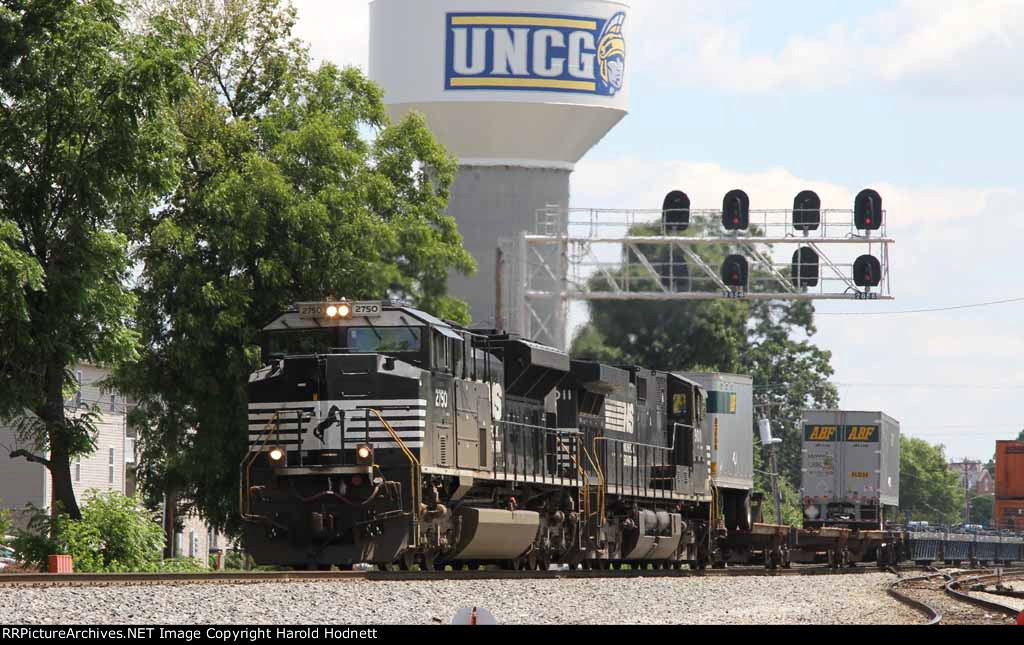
(428,561)
(532,561)
(406,560)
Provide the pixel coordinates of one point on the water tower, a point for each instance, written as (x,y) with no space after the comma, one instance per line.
(517,90)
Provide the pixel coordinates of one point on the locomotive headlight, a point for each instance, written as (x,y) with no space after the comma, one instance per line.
(332,312)
(364,455)
(344,311)
(276,454)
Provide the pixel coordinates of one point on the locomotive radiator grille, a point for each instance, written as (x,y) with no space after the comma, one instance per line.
(292,424)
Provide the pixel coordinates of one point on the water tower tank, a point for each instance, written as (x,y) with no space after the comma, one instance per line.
(517,90)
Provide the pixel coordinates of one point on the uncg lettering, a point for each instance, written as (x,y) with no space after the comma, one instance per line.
(521,51)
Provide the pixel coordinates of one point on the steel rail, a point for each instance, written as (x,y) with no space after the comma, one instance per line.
(954,590)
(934,615)
(254,577)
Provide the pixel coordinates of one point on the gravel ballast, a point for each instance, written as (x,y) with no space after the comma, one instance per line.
(852,599)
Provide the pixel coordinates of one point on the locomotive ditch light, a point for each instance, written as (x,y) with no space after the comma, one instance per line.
(364,455)
(736,211)
(276,454)
(735,271)
(867,271)
(675,212)
(807,211)
(867,211)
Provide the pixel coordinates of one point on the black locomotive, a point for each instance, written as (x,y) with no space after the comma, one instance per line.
(381,434)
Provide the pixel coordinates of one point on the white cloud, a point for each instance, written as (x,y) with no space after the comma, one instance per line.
(925,46)
(337,31)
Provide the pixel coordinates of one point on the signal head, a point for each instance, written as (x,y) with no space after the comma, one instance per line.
(867,211)
(736,211)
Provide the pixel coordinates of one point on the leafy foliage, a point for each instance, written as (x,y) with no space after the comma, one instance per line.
(929,490)
(983,510)
(86,146)
(5,524)
(293,186)
(791,506)
(114,534)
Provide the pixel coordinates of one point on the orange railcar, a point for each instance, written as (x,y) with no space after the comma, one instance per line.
(1009,514)
(1010,470)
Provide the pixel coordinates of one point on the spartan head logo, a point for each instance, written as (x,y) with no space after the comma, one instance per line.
(611,53)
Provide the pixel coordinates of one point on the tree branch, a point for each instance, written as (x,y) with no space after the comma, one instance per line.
(29,457)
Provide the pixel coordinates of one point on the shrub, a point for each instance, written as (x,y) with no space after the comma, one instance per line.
(5,524)
(115,534)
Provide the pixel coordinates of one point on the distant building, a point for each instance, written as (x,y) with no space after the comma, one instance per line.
(974,477)
(23,482)
(112,467)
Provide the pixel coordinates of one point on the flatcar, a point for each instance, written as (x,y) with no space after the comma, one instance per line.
(381,434)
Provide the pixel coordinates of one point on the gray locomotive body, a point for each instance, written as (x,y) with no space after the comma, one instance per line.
(381,434)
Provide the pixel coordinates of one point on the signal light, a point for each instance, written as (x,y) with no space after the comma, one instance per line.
(675,212)
(867,271)
(735,271)
(736,211)
(806,269)
(807,211)
(867,211)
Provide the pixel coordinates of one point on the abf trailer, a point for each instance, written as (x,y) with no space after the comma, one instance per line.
(850,468)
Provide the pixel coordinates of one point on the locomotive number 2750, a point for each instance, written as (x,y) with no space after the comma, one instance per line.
(440,398)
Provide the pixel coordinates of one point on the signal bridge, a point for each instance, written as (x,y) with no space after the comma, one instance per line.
(677,254)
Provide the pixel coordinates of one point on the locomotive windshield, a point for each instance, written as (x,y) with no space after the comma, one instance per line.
(368,340)
(300,342)
(348,340)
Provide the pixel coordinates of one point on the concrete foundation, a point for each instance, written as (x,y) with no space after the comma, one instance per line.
(494,202)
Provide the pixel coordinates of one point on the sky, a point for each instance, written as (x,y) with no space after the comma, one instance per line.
(919,99)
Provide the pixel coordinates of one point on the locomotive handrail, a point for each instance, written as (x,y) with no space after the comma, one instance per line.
(246,466)
(637,467)
(583,474)
(414,474)
(515,450)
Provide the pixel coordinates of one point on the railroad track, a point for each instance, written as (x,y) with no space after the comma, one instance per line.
(941,598)
(127,579)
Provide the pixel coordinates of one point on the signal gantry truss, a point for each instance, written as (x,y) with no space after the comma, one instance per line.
(687,255)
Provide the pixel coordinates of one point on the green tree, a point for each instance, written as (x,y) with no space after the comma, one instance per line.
(982,509)
(85,148)
(929,490)
(294,186)
(790,375)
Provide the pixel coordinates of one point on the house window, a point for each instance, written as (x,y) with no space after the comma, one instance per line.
(193,544)
(179,544)
(78,394)
(78,470)
(110,466)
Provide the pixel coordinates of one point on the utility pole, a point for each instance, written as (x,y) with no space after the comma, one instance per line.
(764,426)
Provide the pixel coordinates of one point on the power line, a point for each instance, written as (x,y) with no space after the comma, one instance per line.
(921,311)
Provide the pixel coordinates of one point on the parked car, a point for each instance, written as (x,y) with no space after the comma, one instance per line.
(6,557)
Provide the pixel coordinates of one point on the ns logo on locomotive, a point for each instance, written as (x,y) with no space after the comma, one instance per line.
(535,52)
